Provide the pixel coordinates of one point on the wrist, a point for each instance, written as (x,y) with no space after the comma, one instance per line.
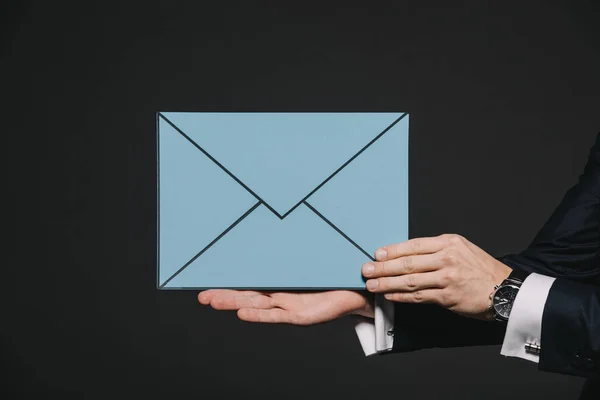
(501,273)
(505,294)
(368,308)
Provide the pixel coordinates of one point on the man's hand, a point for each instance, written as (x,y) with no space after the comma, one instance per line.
(304,308)
(447,270)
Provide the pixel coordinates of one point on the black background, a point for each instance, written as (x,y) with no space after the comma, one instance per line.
(504,100)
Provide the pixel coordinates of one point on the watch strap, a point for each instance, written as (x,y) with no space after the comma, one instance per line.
(518,275)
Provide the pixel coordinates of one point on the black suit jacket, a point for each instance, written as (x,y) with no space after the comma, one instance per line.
(568,248)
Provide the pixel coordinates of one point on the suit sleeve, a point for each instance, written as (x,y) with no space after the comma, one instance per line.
(566,246)
(570,342)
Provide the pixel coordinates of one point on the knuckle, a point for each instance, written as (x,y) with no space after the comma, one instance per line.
(382,285)
(452,239)
(448,298)
(418,296)
(382,268)
(450,258)
(455,239)
(407,265)
(411,281)
(415,246)
(450,275)
(446,238)
(445,298)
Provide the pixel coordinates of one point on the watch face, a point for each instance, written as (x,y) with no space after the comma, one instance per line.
(504,299)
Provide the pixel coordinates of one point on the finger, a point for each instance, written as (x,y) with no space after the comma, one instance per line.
(419,296)
(236,302)
(406,283)
(403,265)
(206,296)
(424,245)
(272,316)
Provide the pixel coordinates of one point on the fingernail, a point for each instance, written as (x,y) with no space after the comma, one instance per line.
(380,254)
(368,269)
(372,284)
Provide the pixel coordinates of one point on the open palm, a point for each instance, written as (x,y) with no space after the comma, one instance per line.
(298,308)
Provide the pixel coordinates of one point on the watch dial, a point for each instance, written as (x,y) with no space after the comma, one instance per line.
(504,299)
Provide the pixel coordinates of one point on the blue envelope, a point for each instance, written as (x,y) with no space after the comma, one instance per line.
(278,200)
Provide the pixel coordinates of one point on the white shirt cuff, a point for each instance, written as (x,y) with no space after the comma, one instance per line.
(377,335)
(525,321)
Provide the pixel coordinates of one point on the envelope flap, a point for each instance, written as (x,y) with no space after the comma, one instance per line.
(282,157)
(368,200)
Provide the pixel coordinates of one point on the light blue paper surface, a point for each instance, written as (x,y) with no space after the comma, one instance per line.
(278,200)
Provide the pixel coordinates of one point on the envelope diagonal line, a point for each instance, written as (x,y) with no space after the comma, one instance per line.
(208,246)
(256,196)
(235,178)
(338,230)
(345,164)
